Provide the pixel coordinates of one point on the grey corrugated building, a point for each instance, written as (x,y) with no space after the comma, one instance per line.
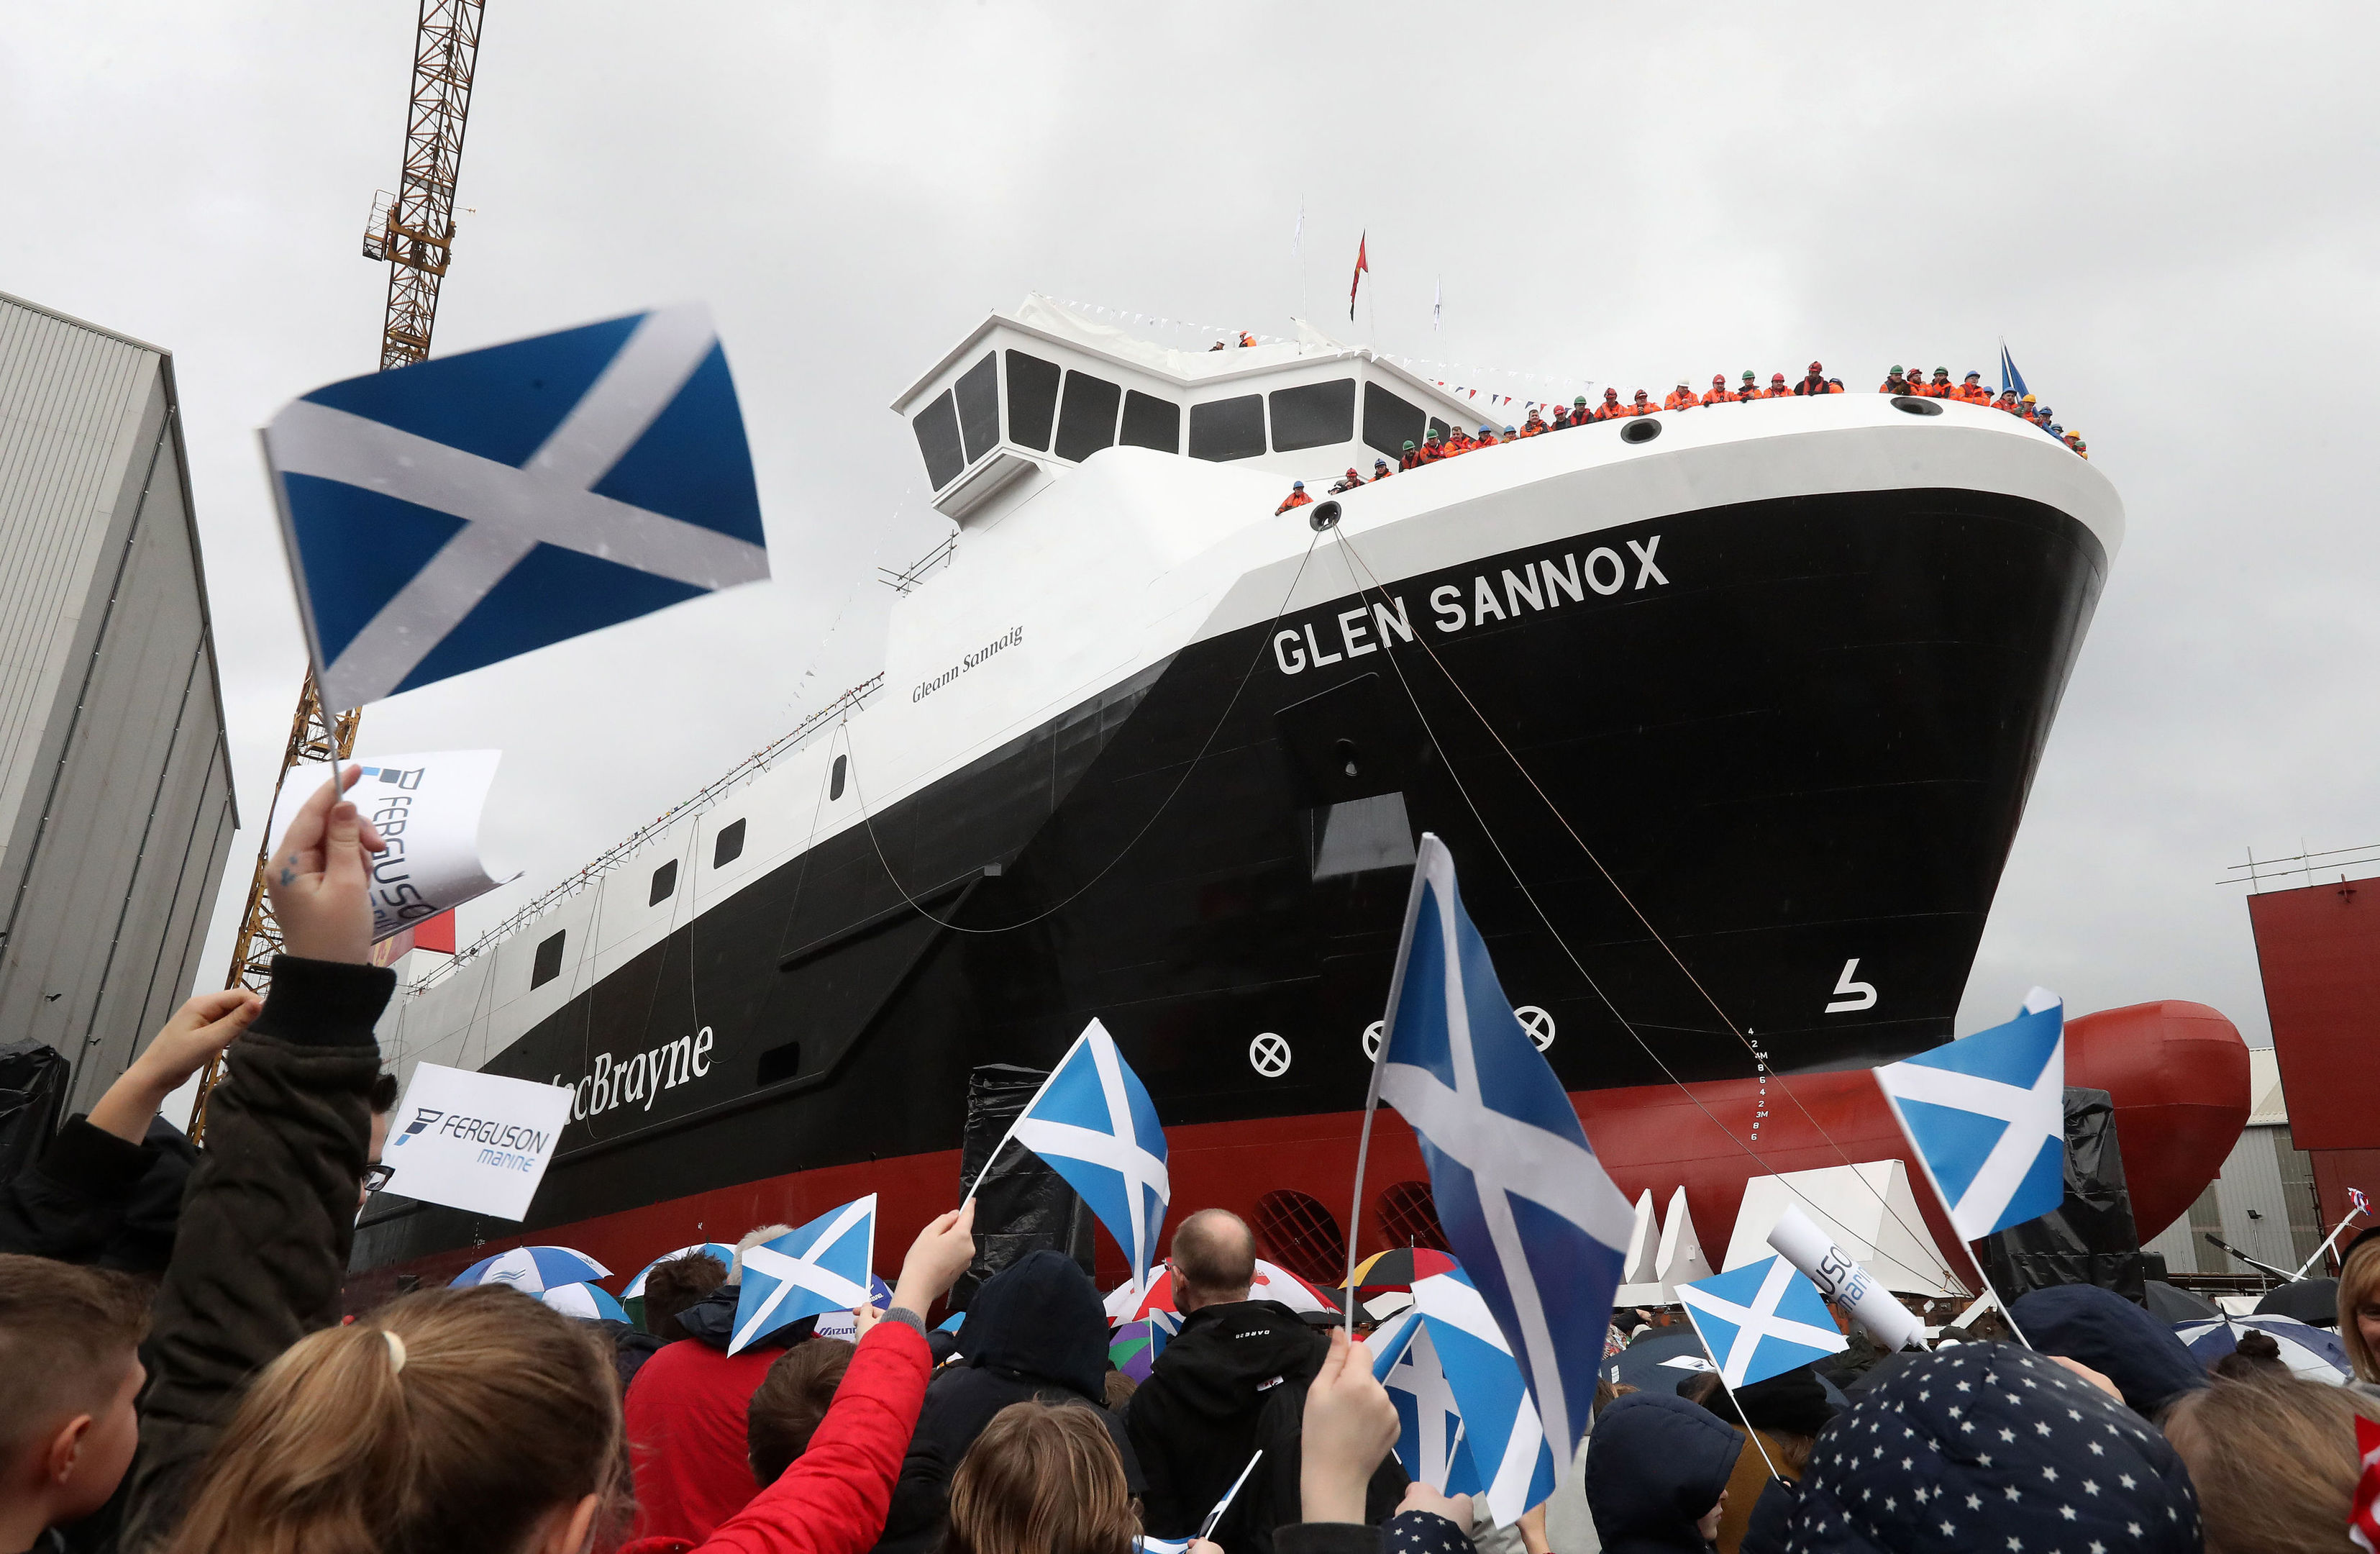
(2263,1203)
(115,796)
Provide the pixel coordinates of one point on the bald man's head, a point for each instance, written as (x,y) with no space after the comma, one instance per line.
(1214,1259)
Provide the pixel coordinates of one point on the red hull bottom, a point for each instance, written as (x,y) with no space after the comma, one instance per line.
(2177,1072)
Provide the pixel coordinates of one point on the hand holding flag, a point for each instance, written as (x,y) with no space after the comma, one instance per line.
(820,1268)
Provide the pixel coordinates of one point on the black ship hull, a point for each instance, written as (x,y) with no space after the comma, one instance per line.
(1796,734)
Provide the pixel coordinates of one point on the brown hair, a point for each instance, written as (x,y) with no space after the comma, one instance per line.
(675,1285)
(2359,1284)
(1043,1478)
(788,1405)
(487,1411)
(2274,1462)
(1214,1253)
(1117,1389)
(65,1333)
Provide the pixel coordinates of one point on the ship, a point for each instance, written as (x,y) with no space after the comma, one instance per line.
(1727,714)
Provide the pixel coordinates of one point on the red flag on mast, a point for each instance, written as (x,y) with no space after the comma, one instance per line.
(1362,267)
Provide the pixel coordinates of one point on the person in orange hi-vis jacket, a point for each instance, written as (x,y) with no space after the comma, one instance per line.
(1296,498)
(1683,397)
(1719,394)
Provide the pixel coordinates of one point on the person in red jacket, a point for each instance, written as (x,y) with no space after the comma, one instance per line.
(1718,393)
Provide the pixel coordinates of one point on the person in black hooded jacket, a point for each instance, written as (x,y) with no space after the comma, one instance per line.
(1657,1473)
(1231,1381)
(1035,1330)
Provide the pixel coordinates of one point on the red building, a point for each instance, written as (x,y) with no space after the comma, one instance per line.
(2319,949)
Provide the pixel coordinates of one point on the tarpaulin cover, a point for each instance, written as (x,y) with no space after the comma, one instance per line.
(2090,1238)
(1023,1206)
(32,1093)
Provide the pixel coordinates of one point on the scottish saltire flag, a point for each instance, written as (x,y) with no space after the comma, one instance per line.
(822,1266)
(1430,1422)
(1760,1320)
(2010,376)
(452,513)
(1986,1115)
(1539,1229)
(1094,1123)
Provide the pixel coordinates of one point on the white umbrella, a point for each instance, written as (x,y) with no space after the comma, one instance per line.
(2313,1352)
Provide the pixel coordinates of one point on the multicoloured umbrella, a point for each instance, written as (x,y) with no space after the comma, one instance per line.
(1133,1347)
(1398,1268)
(533,1269)
(2313,1352)
(591,1301)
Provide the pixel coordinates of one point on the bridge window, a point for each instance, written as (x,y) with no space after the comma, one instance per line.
(1152,422)
(1313,415)
(1439,427)
(834,783)
(1032,399)
(1390,422)
(548,965)
(978,394)
(664,883)
(1223,430)
(1086,420)
(728,844)
(937,427)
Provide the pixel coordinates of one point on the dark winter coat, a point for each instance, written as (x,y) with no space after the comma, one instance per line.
(94,1198)
(1656,1464)
(1035,1330)
(260,1254)
(1233,1381)
(2148,1364)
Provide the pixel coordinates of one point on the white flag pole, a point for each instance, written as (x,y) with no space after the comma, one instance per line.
(1379,1062)
(1719,1370)
(2325,1247)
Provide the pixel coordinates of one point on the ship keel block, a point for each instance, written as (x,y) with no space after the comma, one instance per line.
(1868,1210)
(2177,1074)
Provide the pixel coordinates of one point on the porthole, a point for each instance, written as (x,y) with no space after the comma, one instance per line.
(1642,429)
(1916,405)
(1324,516)
(834,783)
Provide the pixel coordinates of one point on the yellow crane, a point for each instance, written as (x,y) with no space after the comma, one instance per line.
(412,231)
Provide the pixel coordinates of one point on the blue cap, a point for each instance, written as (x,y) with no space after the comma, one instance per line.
(1486,432)
(1297,485)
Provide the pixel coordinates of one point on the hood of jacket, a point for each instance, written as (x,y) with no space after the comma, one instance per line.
(1226,1357)
(2122,1342)
(1040,1316)
(1654,1466)
(712,1320)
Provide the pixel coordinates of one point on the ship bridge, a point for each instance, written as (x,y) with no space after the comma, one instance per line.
(1029,395)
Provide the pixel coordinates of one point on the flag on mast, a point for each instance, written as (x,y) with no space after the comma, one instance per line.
(2010,376)
(1362,267)
(1437,302)
(1298,239)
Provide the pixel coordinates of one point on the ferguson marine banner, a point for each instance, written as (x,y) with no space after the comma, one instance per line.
(474,1141)
(427,809)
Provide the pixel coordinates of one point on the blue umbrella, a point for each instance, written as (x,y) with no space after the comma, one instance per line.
(588,1301)
(533,1268)
(2313,1352)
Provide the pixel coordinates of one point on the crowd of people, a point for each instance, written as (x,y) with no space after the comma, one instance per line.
(1436,445)
(176,1375)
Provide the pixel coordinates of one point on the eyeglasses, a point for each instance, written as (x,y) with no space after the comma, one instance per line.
(376,1176)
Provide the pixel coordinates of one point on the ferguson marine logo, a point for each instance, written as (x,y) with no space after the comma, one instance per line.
(641,1077)
(508,1145)
(1537,585)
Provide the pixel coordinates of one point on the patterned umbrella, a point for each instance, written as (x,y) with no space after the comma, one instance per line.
(588,1301)
(533,1268)
(1399,1266)
(2313,1352)
(1133,1347)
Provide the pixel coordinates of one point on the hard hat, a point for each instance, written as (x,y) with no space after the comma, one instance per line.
(1383,464)
(1350,468)
(1816,367)
(1974,374)
(1777,377)
(1582,398)
(1509,431)
(2028,399)
(1748,377)
(1682,382)
(1608,394)
(1408,445)
(1719,380)
(1297,485)
(1641,393)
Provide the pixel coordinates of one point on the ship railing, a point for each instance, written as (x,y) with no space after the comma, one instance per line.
(2256,872)
(611,857)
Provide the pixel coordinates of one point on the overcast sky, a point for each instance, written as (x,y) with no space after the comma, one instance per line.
(2168,211)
